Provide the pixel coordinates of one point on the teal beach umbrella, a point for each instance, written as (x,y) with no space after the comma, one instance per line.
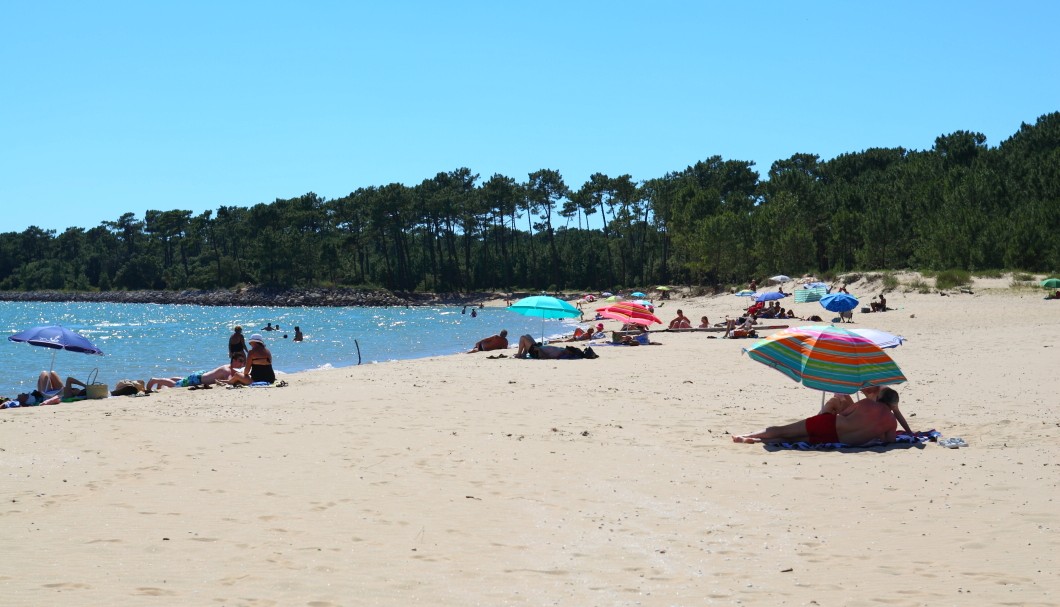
(543,306)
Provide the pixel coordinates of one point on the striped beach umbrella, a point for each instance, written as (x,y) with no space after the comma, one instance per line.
(827,358)
(630,313)
(809,294)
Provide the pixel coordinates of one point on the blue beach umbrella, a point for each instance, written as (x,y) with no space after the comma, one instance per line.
(638,294)
(746,293)
(543,306)
(57,338)
(839,302)
(770,296)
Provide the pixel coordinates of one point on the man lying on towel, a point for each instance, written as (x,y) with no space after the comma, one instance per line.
(865,422)
(224,375)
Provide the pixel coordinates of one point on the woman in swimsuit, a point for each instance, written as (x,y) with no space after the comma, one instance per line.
(236,343)
(259,361)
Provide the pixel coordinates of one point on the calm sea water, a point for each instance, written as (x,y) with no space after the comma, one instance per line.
(141,341)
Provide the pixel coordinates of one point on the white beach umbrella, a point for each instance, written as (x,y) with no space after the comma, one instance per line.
(882,339)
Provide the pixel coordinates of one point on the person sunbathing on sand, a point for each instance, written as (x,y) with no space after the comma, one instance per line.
(680,321)
(30,399)
(867,421)
(493,342)
(841,404)
(50,391)
(525,343)
(225,374)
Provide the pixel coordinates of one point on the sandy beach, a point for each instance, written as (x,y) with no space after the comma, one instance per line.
(464,480)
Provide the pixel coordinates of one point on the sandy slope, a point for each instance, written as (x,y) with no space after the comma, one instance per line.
(463,480)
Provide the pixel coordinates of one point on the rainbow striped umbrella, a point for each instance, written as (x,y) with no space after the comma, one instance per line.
(827,358)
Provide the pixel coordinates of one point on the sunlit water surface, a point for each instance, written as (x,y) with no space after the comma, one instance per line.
(141,341)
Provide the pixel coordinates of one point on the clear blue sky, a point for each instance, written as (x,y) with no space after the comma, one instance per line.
(113,107)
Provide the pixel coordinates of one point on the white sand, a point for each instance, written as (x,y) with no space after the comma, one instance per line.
(462,480)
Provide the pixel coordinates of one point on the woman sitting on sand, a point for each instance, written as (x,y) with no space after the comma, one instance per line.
(258,366)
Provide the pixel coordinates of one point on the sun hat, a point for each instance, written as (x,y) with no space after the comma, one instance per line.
(256,338)
(599,325)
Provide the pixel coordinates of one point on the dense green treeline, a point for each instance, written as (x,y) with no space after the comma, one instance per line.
(960,205)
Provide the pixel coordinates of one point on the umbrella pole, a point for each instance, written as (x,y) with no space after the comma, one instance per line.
(52,367)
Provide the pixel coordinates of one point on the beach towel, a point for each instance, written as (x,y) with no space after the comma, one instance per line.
(902,438)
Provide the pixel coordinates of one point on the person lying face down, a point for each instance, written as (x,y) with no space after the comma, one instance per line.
(866,421)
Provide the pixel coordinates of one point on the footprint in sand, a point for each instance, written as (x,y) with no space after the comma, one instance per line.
(68,586)
(149,591)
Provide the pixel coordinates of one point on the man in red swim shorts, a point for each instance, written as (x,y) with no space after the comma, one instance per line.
(821,429)
(867,421)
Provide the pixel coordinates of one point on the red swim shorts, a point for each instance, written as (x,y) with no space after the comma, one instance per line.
(821,429)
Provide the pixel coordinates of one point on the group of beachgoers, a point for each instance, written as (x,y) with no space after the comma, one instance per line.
(247,365)
(528,347)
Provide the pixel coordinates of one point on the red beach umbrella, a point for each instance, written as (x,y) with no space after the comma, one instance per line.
(630,313)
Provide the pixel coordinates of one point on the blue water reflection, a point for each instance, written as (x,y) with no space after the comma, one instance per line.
(149,340)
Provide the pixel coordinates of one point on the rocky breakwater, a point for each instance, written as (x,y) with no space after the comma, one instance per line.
(249,296)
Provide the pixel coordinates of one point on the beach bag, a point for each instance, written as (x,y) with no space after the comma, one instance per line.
(94,389)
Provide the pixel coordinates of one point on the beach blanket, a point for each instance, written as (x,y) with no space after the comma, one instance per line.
(902,438)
